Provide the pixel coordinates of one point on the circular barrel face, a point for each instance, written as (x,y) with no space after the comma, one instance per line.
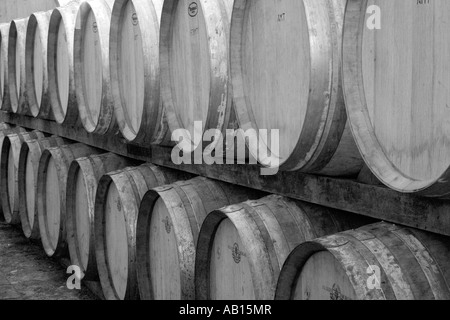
(11,178)
(116,242)
(406,76)
(275,69)
(163,255)
(38,68)
(62,67)
(189,63)
(131,67)
(53,204)
(82,220)
(30,185)
(230,273)
(92,65)
(323,278)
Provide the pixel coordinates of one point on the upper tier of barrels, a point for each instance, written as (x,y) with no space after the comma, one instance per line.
(330,86)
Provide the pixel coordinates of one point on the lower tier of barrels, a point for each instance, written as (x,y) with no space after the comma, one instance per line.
(148,232)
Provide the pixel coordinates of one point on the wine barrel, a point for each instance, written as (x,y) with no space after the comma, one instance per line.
(36,65)
(4,98)
(169,223)
(134,62)
(117,203)
(9,177)
(3,134)
(377,262)
(292,83)
(194,57)
(82,179)
(60,63)
(397,99)
(92,79)
(51,194)
(16,65)
(30,154)
(242,248)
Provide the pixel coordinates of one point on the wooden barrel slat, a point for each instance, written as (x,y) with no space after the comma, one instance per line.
(16,66)
(170,218)
(60,63)
(36,65)
(194,58)
(92,77)
(407,153)
(30,154)
(9,175)
(83,177)
(343,266)
(117,204)
(272,91)
(242,248)
(134,61)
(52,186)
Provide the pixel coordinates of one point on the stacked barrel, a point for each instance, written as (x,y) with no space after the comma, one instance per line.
(314,72)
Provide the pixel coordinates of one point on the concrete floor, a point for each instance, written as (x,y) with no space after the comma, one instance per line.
(26,273)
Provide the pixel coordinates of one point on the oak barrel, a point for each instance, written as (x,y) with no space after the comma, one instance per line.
(376,262)
(92,79)
(134,66)
(51,195)
(82,179)
(194,58)
(30,154)
(242,248)
(60,63)
(9,177)
(286,76)
(36,65)
(170,218)
(117,204)
(397,99)
(16,65)
(3,134)
(4,87)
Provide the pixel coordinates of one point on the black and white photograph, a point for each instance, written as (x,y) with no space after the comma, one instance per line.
(223,156)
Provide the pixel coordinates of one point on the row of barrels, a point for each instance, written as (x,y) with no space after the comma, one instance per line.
(341,89)
(153,233)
